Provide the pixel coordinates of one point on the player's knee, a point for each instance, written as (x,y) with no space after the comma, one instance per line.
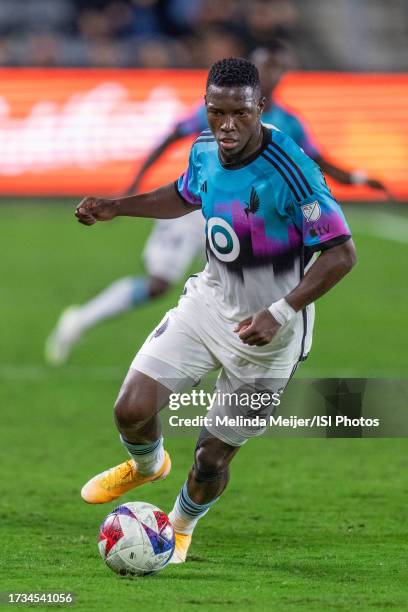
(157,286)
(208,466)
(132,409)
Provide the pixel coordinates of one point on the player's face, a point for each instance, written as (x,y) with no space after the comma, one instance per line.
(234,115)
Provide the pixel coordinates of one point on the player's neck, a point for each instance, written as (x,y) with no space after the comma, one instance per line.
(250,151)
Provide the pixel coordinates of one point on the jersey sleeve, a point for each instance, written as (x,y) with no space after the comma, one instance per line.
(194,123)
(187,186)
(305,140)
(314,211)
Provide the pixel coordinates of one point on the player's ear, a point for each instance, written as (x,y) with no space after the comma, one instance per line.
(261,104)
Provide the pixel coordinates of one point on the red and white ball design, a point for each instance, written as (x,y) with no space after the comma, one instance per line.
(136,539)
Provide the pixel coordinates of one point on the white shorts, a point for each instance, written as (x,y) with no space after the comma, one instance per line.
(193,340)
(173,244)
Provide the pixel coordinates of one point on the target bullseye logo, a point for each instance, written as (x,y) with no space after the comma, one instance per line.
(223,240)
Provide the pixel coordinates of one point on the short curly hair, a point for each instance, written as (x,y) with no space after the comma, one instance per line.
(233,72)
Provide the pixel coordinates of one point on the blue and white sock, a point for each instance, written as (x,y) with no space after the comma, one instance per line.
(119,297)
(140,290)
(186,513)
(147,457)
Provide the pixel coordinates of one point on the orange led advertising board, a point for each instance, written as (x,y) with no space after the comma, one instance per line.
(77,132)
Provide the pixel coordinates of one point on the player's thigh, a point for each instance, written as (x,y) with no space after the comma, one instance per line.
(244,404)
(172,246)
(174,354)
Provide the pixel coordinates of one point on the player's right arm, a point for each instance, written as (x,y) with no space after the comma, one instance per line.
(168,202)
(162,203)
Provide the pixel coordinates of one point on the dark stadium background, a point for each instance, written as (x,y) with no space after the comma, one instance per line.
(307,523)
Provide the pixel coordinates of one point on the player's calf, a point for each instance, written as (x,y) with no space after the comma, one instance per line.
(206,481)
(136,408)
(210,473)
(157,286)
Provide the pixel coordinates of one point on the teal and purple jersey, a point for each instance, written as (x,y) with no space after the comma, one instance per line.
(293,126)
(264,219)
(276,115)
(194,123)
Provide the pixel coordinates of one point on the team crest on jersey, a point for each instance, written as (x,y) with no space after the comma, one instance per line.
(254,203)
(311,212)
(161,329)
(223,240)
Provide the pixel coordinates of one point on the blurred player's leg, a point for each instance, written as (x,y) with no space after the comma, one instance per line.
(169,252)
(116,299)
(172,246)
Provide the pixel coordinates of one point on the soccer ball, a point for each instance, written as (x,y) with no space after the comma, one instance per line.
(136,539)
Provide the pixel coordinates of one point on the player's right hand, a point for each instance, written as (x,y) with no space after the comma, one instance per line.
(90,210)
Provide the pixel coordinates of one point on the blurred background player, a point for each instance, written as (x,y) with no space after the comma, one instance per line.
(174,243)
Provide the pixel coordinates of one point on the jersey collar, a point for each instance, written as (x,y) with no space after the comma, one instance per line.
(266,139)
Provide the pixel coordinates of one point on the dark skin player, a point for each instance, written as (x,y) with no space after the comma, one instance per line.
(234,116)
(272,64)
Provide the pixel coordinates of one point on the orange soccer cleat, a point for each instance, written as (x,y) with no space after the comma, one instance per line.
(116,481)
(183,542)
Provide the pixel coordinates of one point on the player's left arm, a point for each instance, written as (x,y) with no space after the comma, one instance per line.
(328,269)
(324,229)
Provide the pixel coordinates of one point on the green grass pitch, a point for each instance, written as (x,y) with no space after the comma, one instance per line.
(306,524)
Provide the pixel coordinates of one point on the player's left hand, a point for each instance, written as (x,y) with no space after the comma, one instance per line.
(259,329)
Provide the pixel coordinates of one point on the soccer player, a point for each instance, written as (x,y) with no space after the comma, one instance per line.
(249,313)
(173,244)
